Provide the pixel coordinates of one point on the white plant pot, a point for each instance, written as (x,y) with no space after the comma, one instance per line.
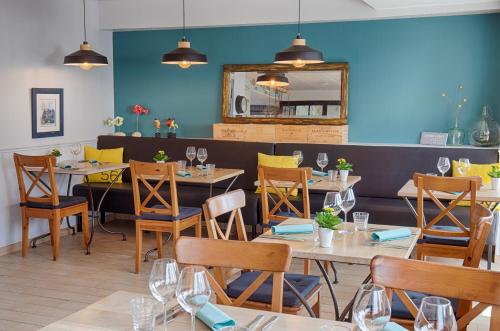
(343,175)
(495,184)
(325,237)
(120,134)
(136,134)
(160,161)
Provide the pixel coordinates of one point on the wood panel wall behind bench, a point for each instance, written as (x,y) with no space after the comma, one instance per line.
(314,134)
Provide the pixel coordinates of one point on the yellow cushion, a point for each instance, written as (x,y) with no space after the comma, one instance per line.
(277,161)
(114,155)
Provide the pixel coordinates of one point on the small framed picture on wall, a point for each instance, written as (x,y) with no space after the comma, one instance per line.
(47,112)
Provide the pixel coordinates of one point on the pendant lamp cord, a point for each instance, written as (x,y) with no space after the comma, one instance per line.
(298,26)
(183,20)
(84,23)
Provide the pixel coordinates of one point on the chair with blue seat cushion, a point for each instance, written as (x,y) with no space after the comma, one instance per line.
(154,212)
(49,205)
(231,203)
(262,288)
(436,238)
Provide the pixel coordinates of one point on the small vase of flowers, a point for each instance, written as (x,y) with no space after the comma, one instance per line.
(57,154)
(138,110)
(495,178)
(116,123)
(343,167)
(157,125)
(160,157)
(172,126)
(327,222)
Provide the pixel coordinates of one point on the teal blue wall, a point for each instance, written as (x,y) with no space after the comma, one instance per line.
(398,69)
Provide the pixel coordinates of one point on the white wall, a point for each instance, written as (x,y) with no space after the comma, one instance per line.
(35,35)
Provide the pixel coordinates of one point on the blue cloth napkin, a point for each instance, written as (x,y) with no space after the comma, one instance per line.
(184,174)
(391,326)
(391,234)
(310,181)
(64,165)
(201,167)
(319,173)
(292,228)
(214,318)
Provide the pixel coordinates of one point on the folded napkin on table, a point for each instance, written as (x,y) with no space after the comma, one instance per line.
(184,173)
(319,173)
(391,234)
(391,326)
(201,167)
(214,318)
(292,228)
(64,165)
(310,181)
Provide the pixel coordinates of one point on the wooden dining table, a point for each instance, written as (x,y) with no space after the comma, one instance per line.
(354,247)
(113,314)
(321,183)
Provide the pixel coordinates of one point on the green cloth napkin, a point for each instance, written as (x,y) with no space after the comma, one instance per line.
(292,228)
(64,165)
(201,167)
(214,318)
(391,326)
(186,174)
(319,173)
(391,234)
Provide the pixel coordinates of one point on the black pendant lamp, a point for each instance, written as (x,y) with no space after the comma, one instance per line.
(272,80)
(299,54)
(184,56)
(85,58)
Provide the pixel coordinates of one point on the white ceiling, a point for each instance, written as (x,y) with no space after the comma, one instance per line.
(166,14)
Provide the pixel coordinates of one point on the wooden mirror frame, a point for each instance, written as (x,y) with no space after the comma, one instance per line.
(226,83)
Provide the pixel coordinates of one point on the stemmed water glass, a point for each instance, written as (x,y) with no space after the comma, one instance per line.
(435,314)
(333,200)
(163,282)
(322,160)
(463,166)
(371,309)
(193,290)
(299,156)
(75,149)
(202,155)
(191,155)
(443,165)
(348,202)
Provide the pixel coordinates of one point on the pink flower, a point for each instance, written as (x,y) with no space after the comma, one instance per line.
(138,110)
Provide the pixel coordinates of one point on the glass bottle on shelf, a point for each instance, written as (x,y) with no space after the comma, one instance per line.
(485,132)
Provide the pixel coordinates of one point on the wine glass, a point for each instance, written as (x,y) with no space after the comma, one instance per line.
(191,154)
(163,282)
(202,155)
(443,165)
(463,166)
(435,314)
(348,202)
(299,156)
(371,309)
(322,160)
(333,200)
(75,149)
(193,290)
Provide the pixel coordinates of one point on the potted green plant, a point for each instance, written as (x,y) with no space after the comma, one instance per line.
(343,167)
(57,153)
(160,157)
(327,222)
(495,178)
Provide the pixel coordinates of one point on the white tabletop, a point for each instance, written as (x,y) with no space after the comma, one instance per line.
(85,168)
(355,247)
(485,194)
(113,313)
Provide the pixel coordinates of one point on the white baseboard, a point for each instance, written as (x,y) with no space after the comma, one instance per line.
(16,247)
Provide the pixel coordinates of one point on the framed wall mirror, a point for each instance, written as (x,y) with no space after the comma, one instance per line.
(283,94)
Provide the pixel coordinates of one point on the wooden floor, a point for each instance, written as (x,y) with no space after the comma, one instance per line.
(35,291)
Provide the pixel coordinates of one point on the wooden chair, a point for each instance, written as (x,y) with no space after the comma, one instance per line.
(402,312)
(49,205)
(463,283)
(163,216)
(443,240)
(231,203)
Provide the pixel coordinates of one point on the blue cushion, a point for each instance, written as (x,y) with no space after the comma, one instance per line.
(64,201)
(304,284)
(184,212)
(398,309)
(454,241)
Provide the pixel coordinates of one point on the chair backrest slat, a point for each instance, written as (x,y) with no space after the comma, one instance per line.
(272,259)
(268,177)
(483,219)
(449,281)
(45,165)
(153,176)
